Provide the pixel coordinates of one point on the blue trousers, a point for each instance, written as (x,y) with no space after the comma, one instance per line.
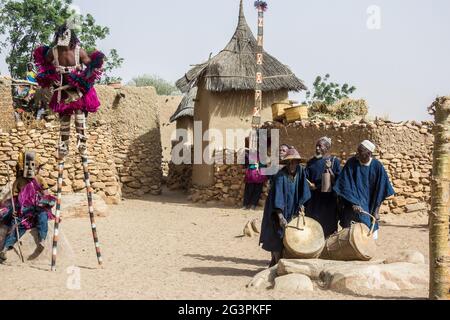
(41,226)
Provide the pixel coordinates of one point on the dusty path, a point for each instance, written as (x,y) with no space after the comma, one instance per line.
(163,248)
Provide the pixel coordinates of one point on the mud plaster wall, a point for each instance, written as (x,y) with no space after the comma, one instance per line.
(227,110)
(6,105)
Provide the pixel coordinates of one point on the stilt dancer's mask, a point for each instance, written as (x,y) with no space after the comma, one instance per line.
(28,163)
(64,39)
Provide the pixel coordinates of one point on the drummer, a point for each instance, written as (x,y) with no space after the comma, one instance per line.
(363,185)
(287,196)
(323,204)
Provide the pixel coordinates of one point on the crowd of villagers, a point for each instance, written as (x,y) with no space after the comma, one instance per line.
(322,190)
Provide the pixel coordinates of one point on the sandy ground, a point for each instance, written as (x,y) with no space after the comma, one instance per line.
(164,248)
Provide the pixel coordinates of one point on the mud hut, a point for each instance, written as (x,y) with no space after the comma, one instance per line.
(225,90)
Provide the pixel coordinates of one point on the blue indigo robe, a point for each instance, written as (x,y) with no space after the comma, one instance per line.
(286,194)
(365,186)
(322,207)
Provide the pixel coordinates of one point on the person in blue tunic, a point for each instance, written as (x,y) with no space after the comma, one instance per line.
(363,185)
(323,204)
(289,192)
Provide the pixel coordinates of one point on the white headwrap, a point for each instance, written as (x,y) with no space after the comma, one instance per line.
(326,140)
(369,145)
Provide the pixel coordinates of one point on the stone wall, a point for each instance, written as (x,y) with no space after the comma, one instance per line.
(124,146)
(104,178)
(405,149)
(6,105)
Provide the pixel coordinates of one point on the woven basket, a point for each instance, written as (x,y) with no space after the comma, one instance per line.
(278,109)
(296,113)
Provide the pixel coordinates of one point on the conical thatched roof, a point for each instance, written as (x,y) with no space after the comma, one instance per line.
(186,107)
(234,68)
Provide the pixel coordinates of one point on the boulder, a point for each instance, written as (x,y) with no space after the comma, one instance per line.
(311,268)
(416,207)
(264,280)
(363,279)
(409,256)
(76,206)
(294,283)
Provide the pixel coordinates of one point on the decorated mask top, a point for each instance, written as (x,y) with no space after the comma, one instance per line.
(64,39)
(28,164)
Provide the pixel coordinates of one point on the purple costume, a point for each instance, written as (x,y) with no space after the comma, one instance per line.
(70,81)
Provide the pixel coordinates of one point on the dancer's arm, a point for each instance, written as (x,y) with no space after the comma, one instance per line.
(84,57)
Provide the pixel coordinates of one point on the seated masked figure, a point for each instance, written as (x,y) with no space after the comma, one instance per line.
(31,206)
(71,73)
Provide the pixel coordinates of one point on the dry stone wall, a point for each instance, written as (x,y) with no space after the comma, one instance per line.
(405,149)
(104,178)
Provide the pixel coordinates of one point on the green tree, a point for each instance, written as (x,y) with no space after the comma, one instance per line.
(113,61)
(28,23)
(328,92)
(163,87)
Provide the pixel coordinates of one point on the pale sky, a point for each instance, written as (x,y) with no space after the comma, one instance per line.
(399,69)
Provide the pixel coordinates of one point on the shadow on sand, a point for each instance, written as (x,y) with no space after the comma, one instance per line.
(223,271)
(253,262)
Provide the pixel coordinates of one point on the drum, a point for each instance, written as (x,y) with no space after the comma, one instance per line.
(351,244)
(304,239)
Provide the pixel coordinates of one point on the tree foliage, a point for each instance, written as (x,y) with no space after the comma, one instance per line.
(163,87)
(29,23)
(328,92)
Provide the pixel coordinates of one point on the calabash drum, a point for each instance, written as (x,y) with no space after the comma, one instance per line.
(304,239)
(351,244)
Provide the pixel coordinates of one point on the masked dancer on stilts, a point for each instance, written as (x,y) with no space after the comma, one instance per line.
(70,72)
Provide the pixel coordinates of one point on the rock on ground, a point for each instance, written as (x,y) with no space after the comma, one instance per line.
(409,256)
(75,206)
(294,282)
(265,279)
(362,279)
(311,267)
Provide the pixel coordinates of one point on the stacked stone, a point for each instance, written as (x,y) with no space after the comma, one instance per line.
(405,149)
(179,177)
(407,153)
(104,176)
(138,163)
(7,121)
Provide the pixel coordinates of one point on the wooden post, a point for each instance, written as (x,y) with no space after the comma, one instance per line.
(261,6)
(440,206)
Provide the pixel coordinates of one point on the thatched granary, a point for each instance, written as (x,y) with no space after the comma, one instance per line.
(225,87)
